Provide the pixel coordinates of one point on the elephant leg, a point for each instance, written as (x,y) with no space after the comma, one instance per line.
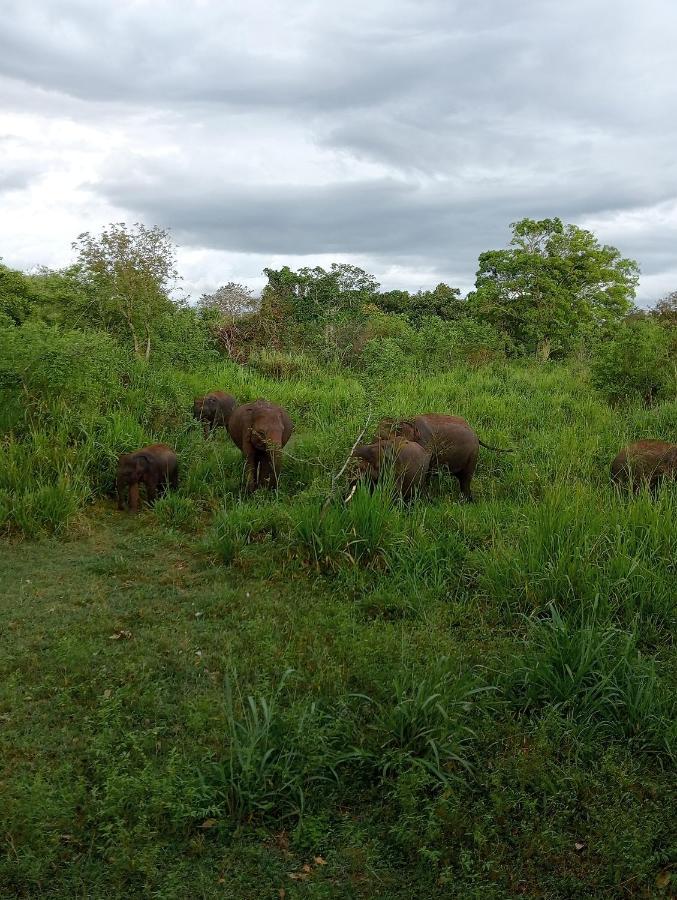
(174,479)
(205,428)
(465,477)
(134,497)
(252,468)
(268,475)
(152,489)
(464,482)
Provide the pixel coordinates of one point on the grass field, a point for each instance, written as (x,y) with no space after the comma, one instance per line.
(244,697)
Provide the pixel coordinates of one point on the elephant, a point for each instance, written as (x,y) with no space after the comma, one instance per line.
(155,466)
(450,440)
(645,462)
(261,429)
(408,459)
(214,409)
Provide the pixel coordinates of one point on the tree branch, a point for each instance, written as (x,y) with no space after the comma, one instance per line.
(335,478)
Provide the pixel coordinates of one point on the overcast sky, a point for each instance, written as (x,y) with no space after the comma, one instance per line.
(401,135)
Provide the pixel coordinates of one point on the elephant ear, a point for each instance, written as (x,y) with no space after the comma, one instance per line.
(367,452)
(142,461)
(410,430)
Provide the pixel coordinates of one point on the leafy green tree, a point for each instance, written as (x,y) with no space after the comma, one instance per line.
(131,271)
(554,286)
(317,295)
(62,297)
(444,302)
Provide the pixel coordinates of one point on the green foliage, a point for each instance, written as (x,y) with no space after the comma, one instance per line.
(16,297)
(444,344)
(128,273)
(51,366)
(382,358)
(423,725)
(593,676)
(275,364)
(443,302)
(183,339)
(269,766)
(315,295)
(63,297)
(555,286)
(636,363)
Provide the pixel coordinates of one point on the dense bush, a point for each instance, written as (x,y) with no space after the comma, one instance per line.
(50,366)
(636,363)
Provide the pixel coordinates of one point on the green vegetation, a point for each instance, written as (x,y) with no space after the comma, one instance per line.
(272,695)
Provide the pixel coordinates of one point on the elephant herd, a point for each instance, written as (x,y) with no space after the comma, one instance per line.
(409,448)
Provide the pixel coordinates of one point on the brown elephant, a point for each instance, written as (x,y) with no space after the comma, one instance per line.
(261,429)
(214,409)
(408,461)
(450,440)
(155,466)
(645,462)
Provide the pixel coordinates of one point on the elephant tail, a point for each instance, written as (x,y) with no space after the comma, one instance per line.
(496,449)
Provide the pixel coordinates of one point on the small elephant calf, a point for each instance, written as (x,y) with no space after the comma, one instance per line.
(408,461)
(261,429)
(156,466)
(645,462)
(214,410)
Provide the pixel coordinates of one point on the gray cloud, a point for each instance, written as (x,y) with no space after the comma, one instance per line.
(409,133)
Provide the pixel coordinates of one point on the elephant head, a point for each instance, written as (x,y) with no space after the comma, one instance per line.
(389,428)
(369,461)
(132,469)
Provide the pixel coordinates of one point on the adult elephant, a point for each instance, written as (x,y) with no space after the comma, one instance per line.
(261,429)
(214,409)
(155,466)
(450,440)
(645,462)
(407,460)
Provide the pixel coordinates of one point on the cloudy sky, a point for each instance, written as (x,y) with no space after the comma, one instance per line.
(401,135)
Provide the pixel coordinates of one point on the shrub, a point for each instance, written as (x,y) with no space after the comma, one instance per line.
(174,511)
(442,344)
(592,675)
(275,364)
(53,367)
(383,358)
(422,725)
(636,363)
(269,762)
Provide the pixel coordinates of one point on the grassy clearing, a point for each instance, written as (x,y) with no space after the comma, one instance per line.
(432,699)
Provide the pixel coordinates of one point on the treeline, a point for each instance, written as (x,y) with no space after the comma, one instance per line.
(555,292)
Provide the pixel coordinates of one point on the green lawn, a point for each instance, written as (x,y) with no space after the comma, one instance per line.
(116,646)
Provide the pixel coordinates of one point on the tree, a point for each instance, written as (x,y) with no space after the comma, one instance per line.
(444,302)
(665,311)
(317,295)
(555,285)
(132,271)
(230,301)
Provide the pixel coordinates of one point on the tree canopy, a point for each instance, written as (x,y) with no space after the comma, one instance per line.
(316,295)
(132,270)
(554,285)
